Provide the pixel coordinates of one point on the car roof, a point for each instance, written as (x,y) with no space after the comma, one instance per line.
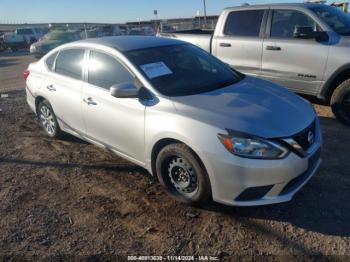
(128,43)
(276,5)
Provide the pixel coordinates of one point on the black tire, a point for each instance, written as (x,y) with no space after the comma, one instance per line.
(340,102)
(177,162)
(46,113)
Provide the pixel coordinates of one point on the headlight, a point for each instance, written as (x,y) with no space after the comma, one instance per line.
(252,147)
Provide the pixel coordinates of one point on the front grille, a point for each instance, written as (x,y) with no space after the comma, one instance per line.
(302,138)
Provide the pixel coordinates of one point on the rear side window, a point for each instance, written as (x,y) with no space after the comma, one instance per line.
(105,71)
(244,23)
(50,61)
(70,63)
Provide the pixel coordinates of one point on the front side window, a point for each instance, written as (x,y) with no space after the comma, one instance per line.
(70,63)
(338,20)
(244,23)
(105,71)
(284,23)
(179,70)
(50,61)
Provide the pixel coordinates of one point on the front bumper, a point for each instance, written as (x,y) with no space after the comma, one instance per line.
(240,181)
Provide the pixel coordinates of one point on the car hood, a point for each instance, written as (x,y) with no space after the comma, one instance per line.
(252,106)
(48,44)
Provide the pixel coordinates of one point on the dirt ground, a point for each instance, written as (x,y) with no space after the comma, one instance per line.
(65,198)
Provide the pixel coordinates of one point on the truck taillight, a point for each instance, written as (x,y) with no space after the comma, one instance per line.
(26,74)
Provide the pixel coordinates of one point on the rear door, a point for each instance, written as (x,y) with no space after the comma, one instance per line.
(295,63)
(64,86)
(240,41)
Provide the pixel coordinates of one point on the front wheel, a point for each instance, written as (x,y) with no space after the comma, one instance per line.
(48,119)
(340,102)
(181,173)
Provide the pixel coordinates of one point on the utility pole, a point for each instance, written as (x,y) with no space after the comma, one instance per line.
(205,13)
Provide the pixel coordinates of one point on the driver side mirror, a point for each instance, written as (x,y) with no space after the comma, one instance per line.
(307,32)
(124,90)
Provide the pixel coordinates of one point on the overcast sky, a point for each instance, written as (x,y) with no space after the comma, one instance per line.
(111,11)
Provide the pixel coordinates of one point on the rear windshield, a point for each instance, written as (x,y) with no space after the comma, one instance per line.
(63,36)
(180,70)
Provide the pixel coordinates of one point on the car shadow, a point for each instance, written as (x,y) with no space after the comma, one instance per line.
(14,54)
(323,204)
(315,100)
(73,139)
(62,165)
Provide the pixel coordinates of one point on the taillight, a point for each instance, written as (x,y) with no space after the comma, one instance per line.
(26,74)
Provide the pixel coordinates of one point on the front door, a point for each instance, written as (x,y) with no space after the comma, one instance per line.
(295,63)
(115,123)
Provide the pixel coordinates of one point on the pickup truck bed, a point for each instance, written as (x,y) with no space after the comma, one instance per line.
(198,37)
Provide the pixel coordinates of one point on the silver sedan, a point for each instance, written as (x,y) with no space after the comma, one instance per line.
(203,129)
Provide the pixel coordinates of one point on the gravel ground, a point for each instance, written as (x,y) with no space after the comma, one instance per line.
(65,198)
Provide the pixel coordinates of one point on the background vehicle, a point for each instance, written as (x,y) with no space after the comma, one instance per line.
(205,130)
(2,44)
(30,35)
(109,30)
(304,47)
(101,31)
(135,31)
(14,41)
(51,41)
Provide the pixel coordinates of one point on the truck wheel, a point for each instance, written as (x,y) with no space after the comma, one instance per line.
(340,102)
(181,173)
(48,120)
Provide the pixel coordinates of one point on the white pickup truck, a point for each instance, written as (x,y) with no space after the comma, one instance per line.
(304,47)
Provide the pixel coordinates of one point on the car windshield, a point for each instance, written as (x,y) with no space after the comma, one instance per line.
(24,31)
(338,20)
(180,70)
(62,36)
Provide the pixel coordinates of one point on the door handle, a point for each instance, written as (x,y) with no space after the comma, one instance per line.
(273,48)
(89,101)
(225,44)
(51,88)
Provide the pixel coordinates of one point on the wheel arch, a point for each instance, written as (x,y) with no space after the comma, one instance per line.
(38,100)
(339,76)
(161,143)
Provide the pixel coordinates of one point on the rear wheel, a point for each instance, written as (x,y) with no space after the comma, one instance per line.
(180,171)
(340,102)
(48,119)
